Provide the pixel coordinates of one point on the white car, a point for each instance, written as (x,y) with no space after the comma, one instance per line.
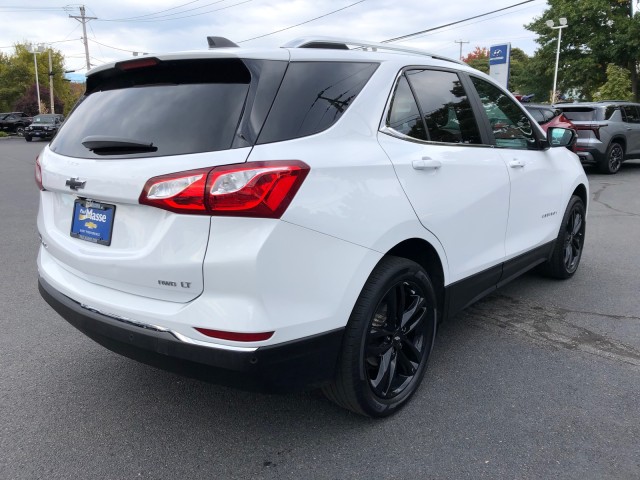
(295,217)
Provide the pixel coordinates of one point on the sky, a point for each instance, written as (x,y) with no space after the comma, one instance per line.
(123,27)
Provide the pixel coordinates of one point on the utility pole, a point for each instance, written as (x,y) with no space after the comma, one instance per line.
(53,109)
(460,42)
(82,18)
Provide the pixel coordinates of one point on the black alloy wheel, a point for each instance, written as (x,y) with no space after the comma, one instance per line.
(615,156)
(574,239)
(569,244)
(387,341)
(396,341)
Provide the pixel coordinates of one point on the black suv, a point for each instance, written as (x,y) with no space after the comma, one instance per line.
(15,122)
(43,126)
(608,132)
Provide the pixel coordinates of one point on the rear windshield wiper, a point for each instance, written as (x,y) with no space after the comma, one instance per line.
(105,145)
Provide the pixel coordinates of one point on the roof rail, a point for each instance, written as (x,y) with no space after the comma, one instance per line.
(342,43)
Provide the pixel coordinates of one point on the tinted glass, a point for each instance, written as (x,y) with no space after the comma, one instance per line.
(609,111)
(445,106)
(580,114)
(537,115)
(631,114)
(181,108)
(404,116)
(312,97)
(511,127)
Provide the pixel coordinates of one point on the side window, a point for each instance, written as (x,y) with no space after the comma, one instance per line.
(537,115)
(631,114)
(404,116)
(511,128)
(312,97)
(445,106)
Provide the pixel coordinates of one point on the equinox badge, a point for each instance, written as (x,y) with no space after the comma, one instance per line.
(75,183)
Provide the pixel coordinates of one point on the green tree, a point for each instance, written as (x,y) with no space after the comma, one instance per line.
(599,32)
(17,76)
(617,86)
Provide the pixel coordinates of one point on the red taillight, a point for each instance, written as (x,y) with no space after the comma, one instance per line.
(182,192)
(256,189)
(38,173)
(236,336)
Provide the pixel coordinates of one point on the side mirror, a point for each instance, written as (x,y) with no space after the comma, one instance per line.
(561,137)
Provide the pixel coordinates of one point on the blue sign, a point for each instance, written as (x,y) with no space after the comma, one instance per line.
(499,54)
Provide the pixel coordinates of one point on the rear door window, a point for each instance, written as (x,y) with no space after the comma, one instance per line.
(631,114)
(404,115)
(180,107)
(445,106)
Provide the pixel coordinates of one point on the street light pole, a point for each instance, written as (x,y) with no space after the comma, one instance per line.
(563,24)
(53,110)
(35,50)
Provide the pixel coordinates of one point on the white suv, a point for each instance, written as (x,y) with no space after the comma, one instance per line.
(299,216)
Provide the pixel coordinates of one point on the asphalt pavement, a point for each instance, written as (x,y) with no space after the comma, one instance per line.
(540,380)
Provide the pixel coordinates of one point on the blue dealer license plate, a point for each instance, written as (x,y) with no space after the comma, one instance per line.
(92,221)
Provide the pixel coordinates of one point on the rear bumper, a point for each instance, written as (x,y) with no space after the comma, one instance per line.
(308,362)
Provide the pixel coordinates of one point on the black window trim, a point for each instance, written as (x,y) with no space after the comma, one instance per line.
(471,94)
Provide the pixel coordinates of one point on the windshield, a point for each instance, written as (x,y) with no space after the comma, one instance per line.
(44,119)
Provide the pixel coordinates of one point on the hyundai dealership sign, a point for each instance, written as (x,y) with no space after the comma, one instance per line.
(499,61)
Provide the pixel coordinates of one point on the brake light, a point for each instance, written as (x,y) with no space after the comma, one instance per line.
(236,336)
(256,189)
(38,173)
(138,63)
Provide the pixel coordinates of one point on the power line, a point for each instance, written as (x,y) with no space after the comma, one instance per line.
(186,16)
(455,23)
(302,23)
(133,19)
(115,48)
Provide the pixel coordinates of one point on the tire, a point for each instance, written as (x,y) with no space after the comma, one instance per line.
(20,130)
(28,138)
(385,349)
(613,160)
(567,251)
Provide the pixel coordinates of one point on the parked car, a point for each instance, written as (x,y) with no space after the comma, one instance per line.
(549,116)
(43,126)
(608,132)
(328,207)
(15,122)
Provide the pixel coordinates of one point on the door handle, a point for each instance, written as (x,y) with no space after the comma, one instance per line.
(426,163)
(516,163)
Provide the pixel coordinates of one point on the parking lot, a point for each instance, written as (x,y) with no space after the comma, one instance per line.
(539,380)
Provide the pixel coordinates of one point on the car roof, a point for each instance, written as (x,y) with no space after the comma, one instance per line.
(314,49)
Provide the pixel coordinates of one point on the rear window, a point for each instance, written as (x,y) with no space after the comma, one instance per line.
(312,97)
(180,106)
(580,114)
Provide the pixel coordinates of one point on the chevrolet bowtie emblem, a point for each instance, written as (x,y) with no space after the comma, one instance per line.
(75,183)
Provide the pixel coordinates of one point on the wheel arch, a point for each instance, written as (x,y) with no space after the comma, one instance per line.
(581,191)
(621,140)
(425,255)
